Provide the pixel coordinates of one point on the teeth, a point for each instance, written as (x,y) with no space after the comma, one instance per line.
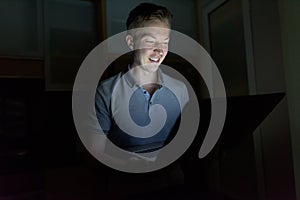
(154,59)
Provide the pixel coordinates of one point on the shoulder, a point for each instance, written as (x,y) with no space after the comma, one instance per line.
(106,86)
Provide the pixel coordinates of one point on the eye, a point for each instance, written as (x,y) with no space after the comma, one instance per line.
(149,41)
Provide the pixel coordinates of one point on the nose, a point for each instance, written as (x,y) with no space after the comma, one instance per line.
(160,51)
(160,48)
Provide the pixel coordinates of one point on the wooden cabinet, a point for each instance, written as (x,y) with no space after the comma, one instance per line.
(21,25)
(70,34)
(54,34)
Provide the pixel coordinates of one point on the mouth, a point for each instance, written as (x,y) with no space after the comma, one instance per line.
(154,60)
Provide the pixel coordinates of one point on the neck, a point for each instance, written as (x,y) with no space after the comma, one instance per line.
(143,77)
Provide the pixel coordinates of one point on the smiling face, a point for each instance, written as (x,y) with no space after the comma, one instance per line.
(150,45)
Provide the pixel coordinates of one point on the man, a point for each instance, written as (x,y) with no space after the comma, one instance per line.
(125,102)
(139,108)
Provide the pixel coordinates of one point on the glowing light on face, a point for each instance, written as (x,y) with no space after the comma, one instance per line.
(151,45)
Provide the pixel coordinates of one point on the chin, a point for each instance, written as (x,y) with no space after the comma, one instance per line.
(153,67)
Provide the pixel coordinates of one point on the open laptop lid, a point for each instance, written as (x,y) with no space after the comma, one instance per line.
(244,114)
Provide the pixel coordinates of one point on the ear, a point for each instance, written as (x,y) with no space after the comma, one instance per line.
(129,41)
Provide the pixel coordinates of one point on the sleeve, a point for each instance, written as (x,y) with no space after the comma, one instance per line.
(102,106)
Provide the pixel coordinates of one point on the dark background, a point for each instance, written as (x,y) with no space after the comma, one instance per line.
(255,45)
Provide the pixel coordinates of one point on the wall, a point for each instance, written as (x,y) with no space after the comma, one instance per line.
(273,141)
(290,29)
(275,138)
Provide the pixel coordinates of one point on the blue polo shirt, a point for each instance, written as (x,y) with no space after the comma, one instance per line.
(109,102)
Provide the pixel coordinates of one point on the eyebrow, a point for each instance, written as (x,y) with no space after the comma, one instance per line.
(149,35)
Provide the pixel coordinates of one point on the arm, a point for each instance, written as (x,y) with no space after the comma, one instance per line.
(102,106)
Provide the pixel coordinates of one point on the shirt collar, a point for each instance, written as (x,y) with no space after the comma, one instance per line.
(132,82)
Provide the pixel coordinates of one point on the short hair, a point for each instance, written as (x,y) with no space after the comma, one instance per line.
(147,12)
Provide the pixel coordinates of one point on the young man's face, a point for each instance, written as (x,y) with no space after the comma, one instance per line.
(151,45)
